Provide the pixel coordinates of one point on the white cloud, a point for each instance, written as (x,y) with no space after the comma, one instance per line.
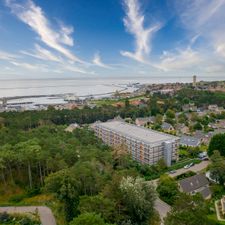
(42,53)
(215,68)
(7,56)
(73,68)
(98,62)
(34,17)
(134,23)
(196,14)
(204,17)
(180,60)
(27,65)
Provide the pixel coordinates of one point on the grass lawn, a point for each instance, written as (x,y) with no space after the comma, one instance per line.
(213,218)
(101,102)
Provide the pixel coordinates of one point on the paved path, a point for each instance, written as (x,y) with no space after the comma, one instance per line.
(162,208)
(196,168)
(44,212)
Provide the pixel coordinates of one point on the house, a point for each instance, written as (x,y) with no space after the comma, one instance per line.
(213,108)
(189,107)
(196,184)
(183,129)
(144,121)
(203,137)
(167,127)
(91,105)
(190,141)
(212,125)
(140,103)
(72,127)
(220,124)
(118,104)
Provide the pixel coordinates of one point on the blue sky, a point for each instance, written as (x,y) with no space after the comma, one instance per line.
(111,38)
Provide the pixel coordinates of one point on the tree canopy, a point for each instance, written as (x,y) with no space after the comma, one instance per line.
(217,143)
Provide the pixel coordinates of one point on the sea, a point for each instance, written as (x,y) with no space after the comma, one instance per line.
(36,89)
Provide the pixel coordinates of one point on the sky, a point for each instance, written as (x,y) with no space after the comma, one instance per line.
(111,38)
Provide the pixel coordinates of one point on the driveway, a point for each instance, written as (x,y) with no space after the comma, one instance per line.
(44,212)
(196,168)
(162,208)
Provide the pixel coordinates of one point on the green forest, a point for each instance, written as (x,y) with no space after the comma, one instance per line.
(82,180)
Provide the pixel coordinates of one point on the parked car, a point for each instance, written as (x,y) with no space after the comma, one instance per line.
(205,159)
(188,165)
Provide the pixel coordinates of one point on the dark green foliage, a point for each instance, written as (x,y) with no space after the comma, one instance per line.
(197,126)
(100,205)
(188,210)
(88,219)
(185,175)
(168,189)
(217,143)
(217,168)
(201,98)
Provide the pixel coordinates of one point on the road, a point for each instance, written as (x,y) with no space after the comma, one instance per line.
(163,208)
(196,168)
(44,212)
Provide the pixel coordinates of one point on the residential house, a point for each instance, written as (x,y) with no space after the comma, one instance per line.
(182,129)
(167,127)
(144,121)
(204,137)
(213,108)
(72,127)
(220,124)
(189,107)
(191,141)
(140,103)
(196,184)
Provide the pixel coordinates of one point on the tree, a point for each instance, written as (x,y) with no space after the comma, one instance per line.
(88,219)
(217,143)
(28,153)
(188,210)
(170,114)
(99,205)
(138,196)
(121,157)
(217,167)
(197,126)
(168,189)
(63,185)
(182,118)
(127,103)
(158,119)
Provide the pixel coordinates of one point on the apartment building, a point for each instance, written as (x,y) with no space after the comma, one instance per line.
(145,145)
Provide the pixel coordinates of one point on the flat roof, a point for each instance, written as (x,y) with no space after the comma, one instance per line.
(140,133)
